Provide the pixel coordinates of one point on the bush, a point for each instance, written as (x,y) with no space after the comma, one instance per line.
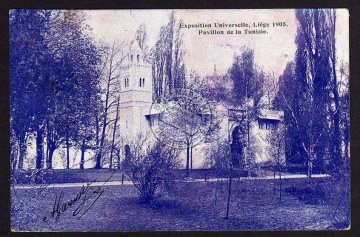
(152,169)
(30,176)
(309,195)
(219,156)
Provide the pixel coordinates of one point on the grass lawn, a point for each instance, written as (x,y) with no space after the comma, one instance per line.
(255,205)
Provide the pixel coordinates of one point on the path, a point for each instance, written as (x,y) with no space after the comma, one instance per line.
(114,183)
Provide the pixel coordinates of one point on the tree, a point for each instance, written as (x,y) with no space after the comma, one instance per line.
(310,92)
(54,73)
(167,57)
(288,99)
(344,112)
(28,56)
(248,90)
(111,72)
(334,85)
(114,133)
(277,140)
(186,120)
(313,71)
(247,78)
(316,47)
(151,168)
(339,101)
(219,156)
(72,83)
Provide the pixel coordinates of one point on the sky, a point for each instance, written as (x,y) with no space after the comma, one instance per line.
(272,51)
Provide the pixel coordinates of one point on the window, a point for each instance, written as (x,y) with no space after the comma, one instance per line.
(127,84)
(131,58)
(142,82)
(138,58)
(261,124)
(267,124)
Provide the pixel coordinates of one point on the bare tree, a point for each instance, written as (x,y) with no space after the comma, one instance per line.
(114,57)
(150,167)
(276,139)
(188,118)
(114,133)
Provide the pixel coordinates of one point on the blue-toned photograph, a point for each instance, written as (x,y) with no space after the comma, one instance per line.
(179,120)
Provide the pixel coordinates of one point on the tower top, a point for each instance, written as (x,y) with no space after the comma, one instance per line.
(134,47)
(135,54)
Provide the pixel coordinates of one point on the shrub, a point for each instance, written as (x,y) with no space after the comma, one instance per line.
(152,169)
(309,195)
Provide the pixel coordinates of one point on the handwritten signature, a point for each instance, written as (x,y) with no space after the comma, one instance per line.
(86,197)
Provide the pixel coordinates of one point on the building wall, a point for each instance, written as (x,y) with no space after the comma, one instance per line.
(136,101)
(135,95)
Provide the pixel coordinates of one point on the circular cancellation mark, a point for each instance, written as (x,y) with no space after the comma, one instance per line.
(183,118)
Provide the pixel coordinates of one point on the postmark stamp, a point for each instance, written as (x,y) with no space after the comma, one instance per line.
(184,119)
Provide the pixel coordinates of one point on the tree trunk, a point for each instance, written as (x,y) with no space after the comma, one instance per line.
(106,109)
(114,133)
(14,159)
(191,158)
(67,153)
(111,158)
(22,144)
(82,159)
(98,161)
(309,168)
(187,160)
(48,162)
(97,130)
(102,138)
(118,158)
(51,153)
(98,157)
(337,136)
(169,55)
(47,145)
(39,148)
(280,188)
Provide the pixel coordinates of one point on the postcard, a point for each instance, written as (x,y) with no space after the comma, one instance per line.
(170,120)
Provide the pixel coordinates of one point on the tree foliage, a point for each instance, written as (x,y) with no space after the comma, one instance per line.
(247,78)
(54,78)
(309,93)
(27,51)
(168,67)
(219,156)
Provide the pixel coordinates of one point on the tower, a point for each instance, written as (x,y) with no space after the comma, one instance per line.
(135,93)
